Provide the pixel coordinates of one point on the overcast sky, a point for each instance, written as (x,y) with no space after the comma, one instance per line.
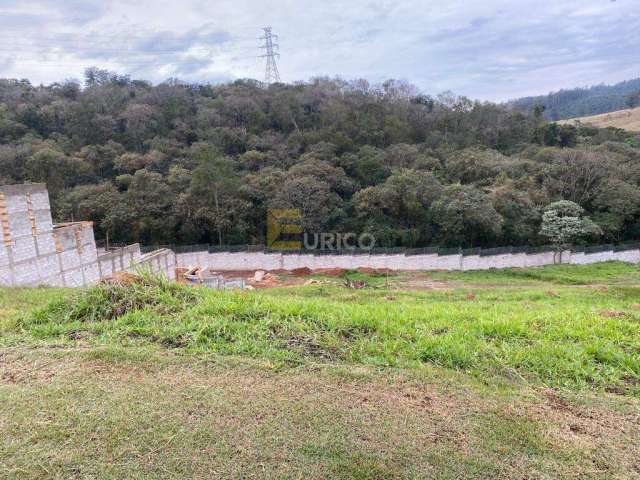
(486,49)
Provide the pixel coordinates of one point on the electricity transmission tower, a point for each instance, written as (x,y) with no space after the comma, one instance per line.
(271,73)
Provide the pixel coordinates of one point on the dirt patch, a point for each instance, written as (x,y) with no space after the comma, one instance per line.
(330,272)
(422,281)
(300,272)
(307,346)
(612,313)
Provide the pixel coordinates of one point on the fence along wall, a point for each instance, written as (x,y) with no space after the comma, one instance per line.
(286,261)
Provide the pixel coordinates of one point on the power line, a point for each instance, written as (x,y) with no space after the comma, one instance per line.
(271,73)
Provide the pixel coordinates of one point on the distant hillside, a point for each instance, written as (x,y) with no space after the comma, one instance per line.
(628,119)
(580,102)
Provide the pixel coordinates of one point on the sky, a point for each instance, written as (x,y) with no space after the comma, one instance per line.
(489,50)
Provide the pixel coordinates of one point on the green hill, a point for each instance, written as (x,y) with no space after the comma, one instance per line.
(580,102)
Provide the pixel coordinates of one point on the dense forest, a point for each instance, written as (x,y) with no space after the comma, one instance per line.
(582,102)
(179,163)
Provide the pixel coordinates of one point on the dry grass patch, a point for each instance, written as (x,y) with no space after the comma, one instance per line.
(78,414)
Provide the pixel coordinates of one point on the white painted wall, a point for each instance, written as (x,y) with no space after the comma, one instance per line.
(278,261)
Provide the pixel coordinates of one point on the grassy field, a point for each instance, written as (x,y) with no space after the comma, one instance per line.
(628,119)
(497,374)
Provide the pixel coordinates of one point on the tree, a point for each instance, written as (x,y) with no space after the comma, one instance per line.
(397,211)
(464,216)
(519,211)
(553,134)
(633,100)
(214,192)
(318,204)
(150,204)
(176,162)
(55,169)
(95,203)
(564,223)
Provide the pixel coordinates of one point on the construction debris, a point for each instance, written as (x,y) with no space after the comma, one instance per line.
(355,284)
(209,279)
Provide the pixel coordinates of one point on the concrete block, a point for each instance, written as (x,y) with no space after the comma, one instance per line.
(89,254)
(17,204)
(86,235)
(5,258)
(106,267)
(70,260)
(48,265)
(6,276)
(40,200)
(43,220)
(46,243)
(19,225)
(66,238)
(26,273)
(53,281)
(73,278)
(91,274)
(24,248)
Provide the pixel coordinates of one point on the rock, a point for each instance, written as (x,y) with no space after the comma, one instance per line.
(258,276)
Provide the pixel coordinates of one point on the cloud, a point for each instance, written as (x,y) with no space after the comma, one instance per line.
(488,49)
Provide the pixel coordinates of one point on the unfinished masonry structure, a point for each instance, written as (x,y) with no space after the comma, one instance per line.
(34,251)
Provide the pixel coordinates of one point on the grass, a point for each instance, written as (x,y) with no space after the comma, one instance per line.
(551,334)
(627,119)
(598,273)
(498,374)
(79,414)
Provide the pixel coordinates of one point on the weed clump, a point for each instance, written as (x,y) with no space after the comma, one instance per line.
(116,297)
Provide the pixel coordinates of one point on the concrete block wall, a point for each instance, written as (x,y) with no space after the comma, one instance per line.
(279,261)
(161,261)
(119,260)
(34,251)
(77,254)
(27,251)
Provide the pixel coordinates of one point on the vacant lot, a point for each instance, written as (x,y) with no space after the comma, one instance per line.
(508,374)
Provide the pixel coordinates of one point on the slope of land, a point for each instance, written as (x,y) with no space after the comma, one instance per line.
(524,373)
(628,119)
(579,102)
(179,164)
